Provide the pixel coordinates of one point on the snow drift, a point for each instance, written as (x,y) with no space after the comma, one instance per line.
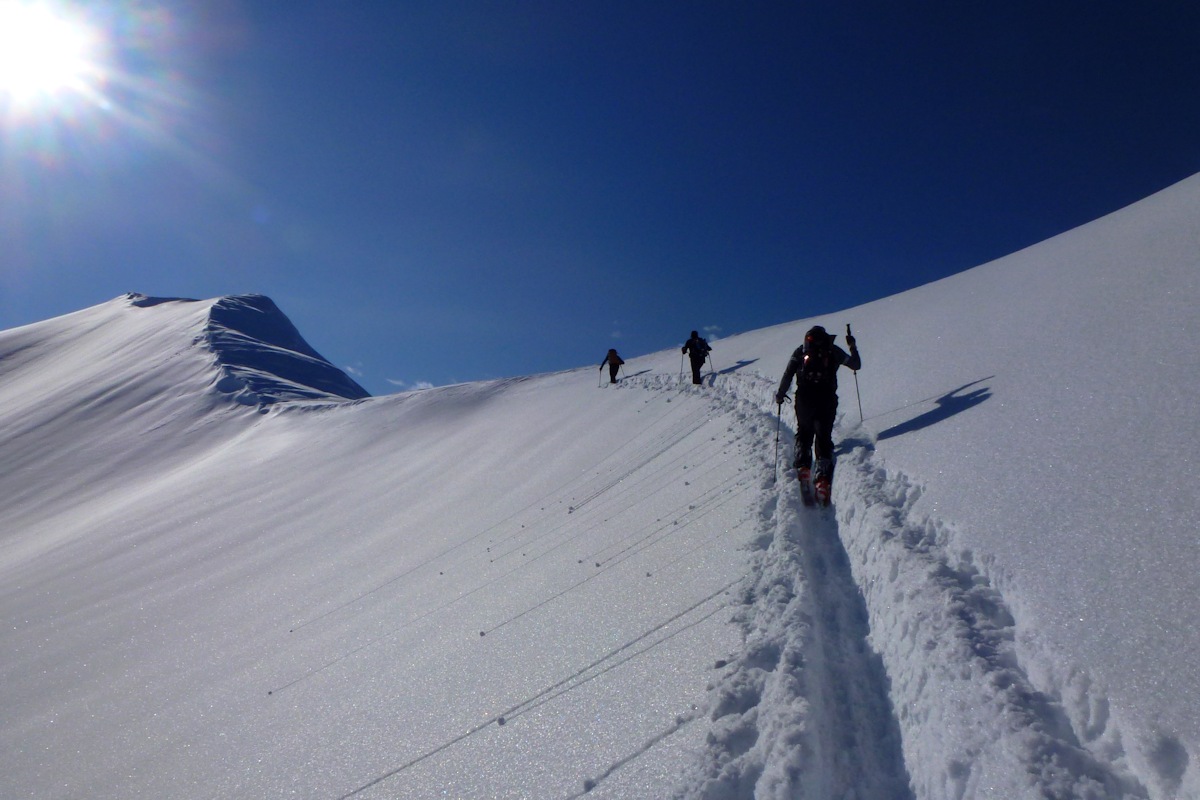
(226,571)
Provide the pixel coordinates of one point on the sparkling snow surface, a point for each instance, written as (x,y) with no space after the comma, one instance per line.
(224,573)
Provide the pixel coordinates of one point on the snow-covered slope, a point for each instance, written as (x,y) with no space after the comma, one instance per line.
(225,572)
(100,402)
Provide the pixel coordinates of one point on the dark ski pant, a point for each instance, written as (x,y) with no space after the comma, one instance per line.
(814,431)
(612,372)
(697,365)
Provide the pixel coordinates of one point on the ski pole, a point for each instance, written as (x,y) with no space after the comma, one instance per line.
(857,394)
(681,367)
(778,424)
(600,379)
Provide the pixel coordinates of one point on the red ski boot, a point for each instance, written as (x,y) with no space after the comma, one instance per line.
(806,486)
(822,488)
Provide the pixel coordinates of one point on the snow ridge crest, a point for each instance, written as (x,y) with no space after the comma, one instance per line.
(264,359)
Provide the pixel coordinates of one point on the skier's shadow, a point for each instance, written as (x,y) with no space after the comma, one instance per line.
(948,405)
(851,443)
(628,375)
(739,365)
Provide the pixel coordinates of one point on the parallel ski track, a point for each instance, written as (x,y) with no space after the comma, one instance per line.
(853,744)
(642,538)
(808,664)
(950,609)
(638,443)
(858,743)
(608,662)
(696,509)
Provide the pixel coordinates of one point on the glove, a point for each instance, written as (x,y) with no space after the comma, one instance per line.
(779,398)
(852,342)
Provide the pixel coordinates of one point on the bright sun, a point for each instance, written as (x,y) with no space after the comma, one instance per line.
(44,53)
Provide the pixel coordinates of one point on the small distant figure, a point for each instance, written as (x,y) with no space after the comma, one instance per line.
(814,365)
(614,362)
(697,350)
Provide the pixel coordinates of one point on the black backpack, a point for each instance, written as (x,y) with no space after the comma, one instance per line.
(819,367)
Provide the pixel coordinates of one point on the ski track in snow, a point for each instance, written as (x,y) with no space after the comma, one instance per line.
(858,622)
(635,472)
(879,662)
(949,642)
(211,592)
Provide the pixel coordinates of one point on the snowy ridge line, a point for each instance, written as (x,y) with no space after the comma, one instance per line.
(540,501)
(947,639)
(571,682)
(263,359)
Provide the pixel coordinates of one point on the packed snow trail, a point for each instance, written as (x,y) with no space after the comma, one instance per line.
(948,640)
(876,663)
(175,544)
(803,711)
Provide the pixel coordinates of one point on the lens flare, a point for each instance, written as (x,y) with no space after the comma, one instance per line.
(47,56)
(88,84)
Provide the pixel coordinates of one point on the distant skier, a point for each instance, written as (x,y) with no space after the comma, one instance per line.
(697,350)
(814,365)
(614,362)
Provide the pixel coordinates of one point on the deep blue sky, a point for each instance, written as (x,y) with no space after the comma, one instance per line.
(445,191)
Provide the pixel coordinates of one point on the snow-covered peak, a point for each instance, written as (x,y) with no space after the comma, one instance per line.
(264,357)
(242,346)
(558,587)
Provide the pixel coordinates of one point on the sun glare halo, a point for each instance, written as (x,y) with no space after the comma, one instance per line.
(44,53)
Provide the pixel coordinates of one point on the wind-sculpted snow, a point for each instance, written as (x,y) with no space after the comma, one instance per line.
(264,357)
(547,587)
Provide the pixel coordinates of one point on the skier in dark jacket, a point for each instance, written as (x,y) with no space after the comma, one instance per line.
(814,365)
(614,362)
(697,350)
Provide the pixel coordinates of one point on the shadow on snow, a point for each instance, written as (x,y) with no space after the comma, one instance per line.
(948,405)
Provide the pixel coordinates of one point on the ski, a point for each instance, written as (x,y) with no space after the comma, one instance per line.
(822,489)
(804,474)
